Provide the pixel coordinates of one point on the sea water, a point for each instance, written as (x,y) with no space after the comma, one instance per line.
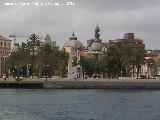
(79,104)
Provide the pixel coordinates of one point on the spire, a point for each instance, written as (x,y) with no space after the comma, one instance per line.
(96,45)
(73,37)
(97,30)
(73,34)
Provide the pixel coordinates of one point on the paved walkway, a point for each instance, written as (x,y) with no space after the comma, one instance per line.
(89,79)
(93,83)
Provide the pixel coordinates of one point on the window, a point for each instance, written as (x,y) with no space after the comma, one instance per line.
(4,43)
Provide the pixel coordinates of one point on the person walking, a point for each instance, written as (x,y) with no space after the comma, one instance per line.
(74,74)
(4,77)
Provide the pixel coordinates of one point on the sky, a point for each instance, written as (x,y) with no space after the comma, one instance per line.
(59,18)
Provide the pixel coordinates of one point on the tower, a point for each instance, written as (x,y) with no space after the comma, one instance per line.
(96,46)
(73,47)
(73,37)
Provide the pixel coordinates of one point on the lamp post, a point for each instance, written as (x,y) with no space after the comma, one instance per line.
(148,67)
(83,72)
(27,71)
(17,75)
(46,63)
(21,72)
(46,68)
(149,63)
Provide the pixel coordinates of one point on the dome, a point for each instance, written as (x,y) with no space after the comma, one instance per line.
(96,46)
(46,38)
(74,43)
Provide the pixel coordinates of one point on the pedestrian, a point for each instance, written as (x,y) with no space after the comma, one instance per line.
(74,74)
(4,77)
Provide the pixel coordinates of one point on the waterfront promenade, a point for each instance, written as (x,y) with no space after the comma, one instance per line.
(91,83)
(104,84)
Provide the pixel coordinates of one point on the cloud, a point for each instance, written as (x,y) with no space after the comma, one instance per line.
(115,17)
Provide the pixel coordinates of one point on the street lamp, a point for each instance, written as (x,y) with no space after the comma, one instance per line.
(21,72)
(17,75)
(149,64)
(46,68)
(46,63)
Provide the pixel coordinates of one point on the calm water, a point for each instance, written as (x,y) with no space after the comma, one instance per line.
(79,104)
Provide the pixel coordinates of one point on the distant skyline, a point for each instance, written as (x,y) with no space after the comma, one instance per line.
(114,17)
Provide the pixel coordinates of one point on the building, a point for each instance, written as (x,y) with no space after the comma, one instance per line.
(73,43)
(5,49)
(152,66)
(130,39)
(73,48)
(46,39)
(96,46)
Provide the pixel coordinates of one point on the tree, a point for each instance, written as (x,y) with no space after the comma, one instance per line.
(88,66)
(139,59)
(120,60)
(15,62)
(38,55)
(62,62)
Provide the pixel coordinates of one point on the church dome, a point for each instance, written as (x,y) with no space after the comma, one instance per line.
(96,46)
(74,43)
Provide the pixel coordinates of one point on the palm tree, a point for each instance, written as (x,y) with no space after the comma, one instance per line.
(62,62)
(121,59)
(128,58)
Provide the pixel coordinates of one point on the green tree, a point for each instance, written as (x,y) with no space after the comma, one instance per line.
(38,55)
(121,59)
(139,59)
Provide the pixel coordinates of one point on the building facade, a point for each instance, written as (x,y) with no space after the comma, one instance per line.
(5,49)
(152,66)
(129,38)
